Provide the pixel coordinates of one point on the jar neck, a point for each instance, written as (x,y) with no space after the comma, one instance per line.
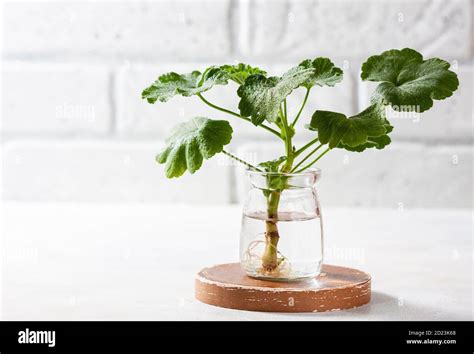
(280,181)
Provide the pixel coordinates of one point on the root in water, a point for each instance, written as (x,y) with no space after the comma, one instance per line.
(281,269)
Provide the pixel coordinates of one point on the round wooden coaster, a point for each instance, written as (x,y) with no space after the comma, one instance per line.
(337,288)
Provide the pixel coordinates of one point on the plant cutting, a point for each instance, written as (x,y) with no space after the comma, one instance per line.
(282,229)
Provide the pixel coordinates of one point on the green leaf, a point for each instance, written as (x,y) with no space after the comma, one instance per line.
(272,165)
(378,142)
(325,73)
(172,84)
(261,96)
(191,142)
(409,83)
(240,72)
(337,130)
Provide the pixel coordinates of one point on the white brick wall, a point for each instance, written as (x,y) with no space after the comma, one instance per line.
(103,172)
(74,127)
(400,176)
(55,98)
(353,28)
(143,30)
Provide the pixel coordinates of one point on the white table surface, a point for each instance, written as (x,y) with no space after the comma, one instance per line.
(137,262)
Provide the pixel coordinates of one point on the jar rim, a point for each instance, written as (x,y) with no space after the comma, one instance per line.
(313,171)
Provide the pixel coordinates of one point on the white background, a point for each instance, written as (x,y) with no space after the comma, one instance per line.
(74,127)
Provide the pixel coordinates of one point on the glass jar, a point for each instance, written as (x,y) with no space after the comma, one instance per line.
(282,231)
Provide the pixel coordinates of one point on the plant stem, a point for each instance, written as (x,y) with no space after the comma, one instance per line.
(306,157)
(300,150)
(241,161)
(273,131)
(314,161)
(270,255)
(301,109)
(288,144)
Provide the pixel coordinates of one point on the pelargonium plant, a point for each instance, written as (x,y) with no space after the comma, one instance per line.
(407,82)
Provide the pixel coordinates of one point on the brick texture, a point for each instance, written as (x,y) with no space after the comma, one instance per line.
(400,176)
(150,30)
(55,98)
(104,172)
(299,28)
(73,126)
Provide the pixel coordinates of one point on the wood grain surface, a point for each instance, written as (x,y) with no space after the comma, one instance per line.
(337,288)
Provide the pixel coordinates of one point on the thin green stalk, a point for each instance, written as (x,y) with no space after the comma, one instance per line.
(222,109)
(314,161)
(306,157)
(301,109)
(300,150)
(288,144)
(273,131)
(241,161)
